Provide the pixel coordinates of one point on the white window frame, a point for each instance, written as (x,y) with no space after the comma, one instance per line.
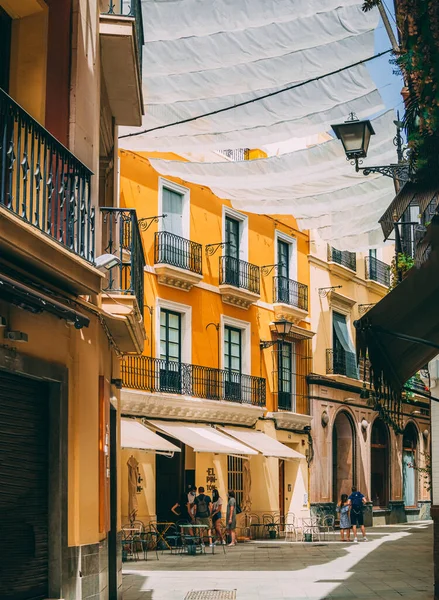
(243,230)
(292,242)
(340,311)
(245,328)
(186,327)
(185,192)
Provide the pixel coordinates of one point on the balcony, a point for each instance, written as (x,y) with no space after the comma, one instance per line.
(121,37)
(171,377)
(290,299)
(239,282)
(177,261)
(342,263)
(341,362)
(47,221)
(124,298)
(377,274)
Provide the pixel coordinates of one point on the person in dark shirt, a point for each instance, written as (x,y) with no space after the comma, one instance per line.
(203,509)
(357,501)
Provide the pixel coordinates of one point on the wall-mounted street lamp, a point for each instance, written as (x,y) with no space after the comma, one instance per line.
(355,136)
(282,328)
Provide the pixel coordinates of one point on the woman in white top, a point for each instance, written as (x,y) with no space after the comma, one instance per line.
(216,516)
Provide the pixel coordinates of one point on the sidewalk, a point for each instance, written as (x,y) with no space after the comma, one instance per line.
(396,562)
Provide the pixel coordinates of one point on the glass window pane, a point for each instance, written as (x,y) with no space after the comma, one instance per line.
(174,335)
(174,321)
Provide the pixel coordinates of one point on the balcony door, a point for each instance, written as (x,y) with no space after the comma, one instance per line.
(232,363)
(232,251)
(343,353)
(5,49)
(173,249)
(373,264)
(283,271)
(286,371)
(170,351)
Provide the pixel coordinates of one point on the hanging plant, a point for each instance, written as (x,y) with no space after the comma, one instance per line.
(397,270)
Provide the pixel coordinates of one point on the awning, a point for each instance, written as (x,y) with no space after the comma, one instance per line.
(264,444)
(203,438)
(411,193)
(385,333)
(137,436)
(35,301)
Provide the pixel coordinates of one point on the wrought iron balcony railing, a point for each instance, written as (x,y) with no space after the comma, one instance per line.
(290,292)
(120,233)
(157,375)
(343,257)
(127,8)
(341,362)
(239,274)
(43,183)
(411,234)
(177,251)
(236,154)
(376,270)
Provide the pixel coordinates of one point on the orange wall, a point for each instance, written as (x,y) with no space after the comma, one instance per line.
(139,190)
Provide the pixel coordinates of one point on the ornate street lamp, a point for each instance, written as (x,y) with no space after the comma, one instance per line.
(283,328)
(355,136)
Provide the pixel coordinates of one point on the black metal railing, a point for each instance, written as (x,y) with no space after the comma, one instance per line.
(240,274)
(128,8)
(342,362)
(43,183)
(376,270)
(236,154)
(411,234)
(171,249)
(343,257)
(290,292)
(157,375)
(121,237)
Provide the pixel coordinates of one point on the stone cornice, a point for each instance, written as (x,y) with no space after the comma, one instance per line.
(185,408)
(289,420)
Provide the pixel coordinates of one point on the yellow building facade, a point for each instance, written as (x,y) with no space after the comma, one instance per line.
(354,445)
(216,282)
(65,319)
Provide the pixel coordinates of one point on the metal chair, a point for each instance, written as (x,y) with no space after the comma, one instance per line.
(149,543)
(290,526)
(326,525)
(311,527)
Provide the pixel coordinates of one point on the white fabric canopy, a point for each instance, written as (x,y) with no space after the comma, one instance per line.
(203,438)
(137,436)
(316,185)
(264,444)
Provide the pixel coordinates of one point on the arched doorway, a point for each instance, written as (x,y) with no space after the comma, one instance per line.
(409,445)
(343,455)
(380,463)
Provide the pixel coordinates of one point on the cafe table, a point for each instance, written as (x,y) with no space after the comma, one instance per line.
(198,535)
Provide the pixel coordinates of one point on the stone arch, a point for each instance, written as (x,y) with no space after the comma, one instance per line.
(343,454)
(380,463)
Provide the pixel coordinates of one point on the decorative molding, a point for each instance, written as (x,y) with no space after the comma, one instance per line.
(237,296)
(341,271)
(290,420)
(377,288)
(340,302)
(288,312)
(176,278)
(185,408)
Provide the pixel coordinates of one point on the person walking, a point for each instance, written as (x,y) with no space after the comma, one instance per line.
(202,511)
(343,507)
(357,500)
(216,515)
(231,517)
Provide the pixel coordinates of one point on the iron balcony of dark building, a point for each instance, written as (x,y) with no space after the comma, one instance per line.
(239,281)
(290,298)
(377,271)
(410,236)
(342,257)
(122,40)
(172,377)
(177,261)
(49,190)
(124,295)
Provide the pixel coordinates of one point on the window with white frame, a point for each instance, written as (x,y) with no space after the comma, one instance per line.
(174,202)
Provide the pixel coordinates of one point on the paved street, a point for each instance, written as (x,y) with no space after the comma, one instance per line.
(396,562)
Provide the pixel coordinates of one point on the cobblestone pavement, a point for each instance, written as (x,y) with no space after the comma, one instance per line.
(396,562)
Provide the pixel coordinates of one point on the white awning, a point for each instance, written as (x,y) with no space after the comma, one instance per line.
(264,444)
(203,438)
(135,435)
